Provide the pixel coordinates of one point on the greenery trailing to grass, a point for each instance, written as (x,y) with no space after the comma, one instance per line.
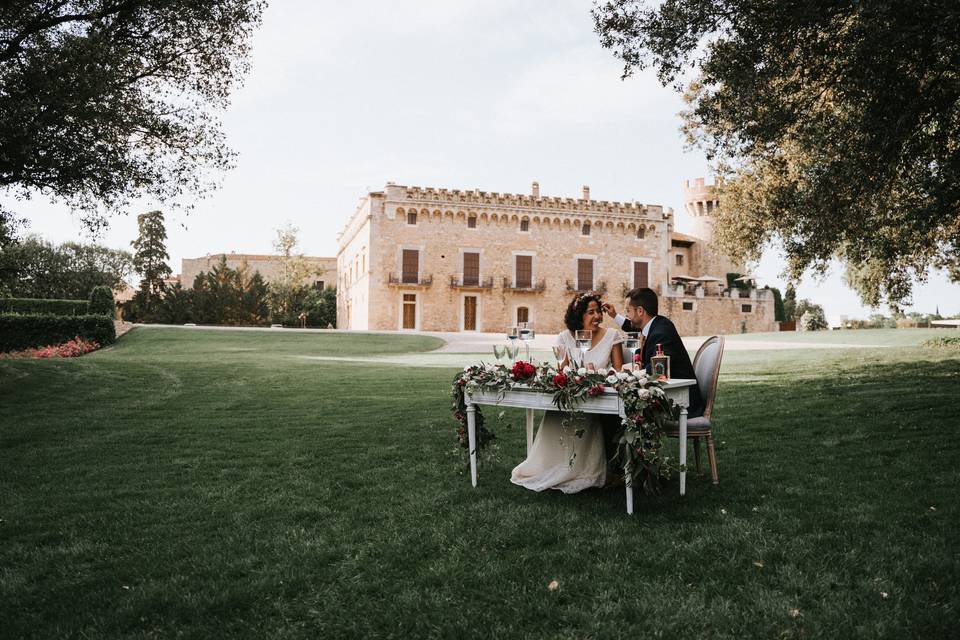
(23,331)
(53,307)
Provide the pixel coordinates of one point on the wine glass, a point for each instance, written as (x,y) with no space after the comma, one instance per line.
(632,344)
(560,353)
(584,338)
(512,350)
(526,335)
(498,352)
(513,332)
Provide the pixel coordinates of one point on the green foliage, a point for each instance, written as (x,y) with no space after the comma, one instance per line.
(837,126)
(35,268)
(150,258)
(810,316)
(946,342)
(104,102)
(779,313)
(23,331)
(102,302)
(790,304)
(44,306)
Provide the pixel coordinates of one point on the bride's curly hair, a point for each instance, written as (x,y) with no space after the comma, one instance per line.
(573,318)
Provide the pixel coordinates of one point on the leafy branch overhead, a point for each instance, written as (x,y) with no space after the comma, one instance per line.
(836,126)
(102,101)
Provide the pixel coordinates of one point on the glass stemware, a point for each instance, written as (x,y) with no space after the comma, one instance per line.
(513,332)
(631,343)
(560,353)
(512,350)
(498,352)
(526,335)
(584,339)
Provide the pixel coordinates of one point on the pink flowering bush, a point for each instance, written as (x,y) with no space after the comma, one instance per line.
(69,349)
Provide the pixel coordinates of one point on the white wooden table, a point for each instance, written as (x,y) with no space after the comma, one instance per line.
(608,403)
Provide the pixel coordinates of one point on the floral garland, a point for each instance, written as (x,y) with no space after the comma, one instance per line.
(646,408)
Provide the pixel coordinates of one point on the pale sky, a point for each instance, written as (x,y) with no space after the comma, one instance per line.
(343,97)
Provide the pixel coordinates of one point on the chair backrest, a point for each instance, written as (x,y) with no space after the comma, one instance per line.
(706,365)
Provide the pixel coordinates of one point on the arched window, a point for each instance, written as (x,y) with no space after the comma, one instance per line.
(472,222)
(525,225)
(641,232)
(523,314)
(585,229)
(411,217)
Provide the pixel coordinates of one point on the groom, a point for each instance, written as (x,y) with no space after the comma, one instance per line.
(641,316)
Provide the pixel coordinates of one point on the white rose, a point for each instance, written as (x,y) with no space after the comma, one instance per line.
(644,394)
(623,375)
(582,371)
(612,380)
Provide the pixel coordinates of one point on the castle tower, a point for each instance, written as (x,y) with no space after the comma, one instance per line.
(701,201)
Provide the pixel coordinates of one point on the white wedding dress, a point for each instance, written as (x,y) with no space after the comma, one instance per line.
(548,465)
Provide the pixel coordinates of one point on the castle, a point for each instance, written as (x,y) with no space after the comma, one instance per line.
(421,258)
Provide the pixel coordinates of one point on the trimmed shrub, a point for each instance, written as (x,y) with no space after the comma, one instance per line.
(23,331)
(37,305)
(101,302)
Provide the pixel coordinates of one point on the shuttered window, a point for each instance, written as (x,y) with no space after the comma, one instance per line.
(471,269)
(411,266)
(584,274)
(640,274)
(524,272)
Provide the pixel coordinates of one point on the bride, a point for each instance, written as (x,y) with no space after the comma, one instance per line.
(559,459)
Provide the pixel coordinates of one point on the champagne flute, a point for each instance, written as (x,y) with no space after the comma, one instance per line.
(526,335)
(498,352)
(512,350)
(560,353)
(584,339)
(632,344)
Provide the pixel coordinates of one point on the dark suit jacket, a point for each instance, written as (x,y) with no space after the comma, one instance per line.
(664,333)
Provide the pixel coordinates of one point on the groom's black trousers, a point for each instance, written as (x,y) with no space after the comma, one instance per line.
(611,429)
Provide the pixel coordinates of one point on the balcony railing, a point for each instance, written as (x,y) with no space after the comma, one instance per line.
(535,287)
(409,280)
(460,281)
(601,287)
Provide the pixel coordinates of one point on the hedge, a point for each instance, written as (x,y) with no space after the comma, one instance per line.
(23,331)
(36,305)
(101,302)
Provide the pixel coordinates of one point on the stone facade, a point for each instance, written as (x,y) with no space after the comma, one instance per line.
(322,270)
(449,260)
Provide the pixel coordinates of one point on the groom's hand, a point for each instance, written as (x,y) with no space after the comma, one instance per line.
(610,309)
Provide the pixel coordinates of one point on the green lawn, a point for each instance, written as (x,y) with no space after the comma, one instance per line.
(212,484)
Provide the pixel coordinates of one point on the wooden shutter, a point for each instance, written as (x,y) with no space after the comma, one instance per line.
(523,314)
(640,274)
(409,311)
(470,313)
(524,272)
(471,269)
(584,274)
(411,266)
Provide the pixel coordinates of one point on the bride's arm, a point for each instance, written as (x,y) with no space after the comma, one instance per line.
(617,355)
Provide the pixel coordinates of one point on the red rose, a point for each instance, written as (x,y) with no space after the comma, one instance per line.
(595,390)
(637,358)
(560,380)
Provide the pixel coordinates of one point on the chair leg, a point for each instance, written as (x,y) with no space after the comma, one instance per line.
(713,459)
(696,453)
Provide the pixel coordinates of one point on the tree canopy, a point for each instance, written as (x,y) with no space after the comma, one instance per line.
(102,101)
(836,125)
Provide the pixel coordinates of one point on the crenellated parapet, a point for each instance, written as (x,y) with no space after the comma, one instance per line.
(431,197)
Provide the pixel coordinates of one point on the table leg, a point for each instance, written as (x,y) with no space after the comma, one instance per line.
(472,441)
(628,483)
(683,450)
(529,431)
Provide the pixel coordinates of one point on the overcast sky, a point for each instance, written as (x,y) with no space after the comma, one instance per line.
(486,94)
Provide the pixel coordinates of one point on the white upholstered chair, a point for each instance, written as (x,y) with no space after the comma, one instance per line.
(706,365)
